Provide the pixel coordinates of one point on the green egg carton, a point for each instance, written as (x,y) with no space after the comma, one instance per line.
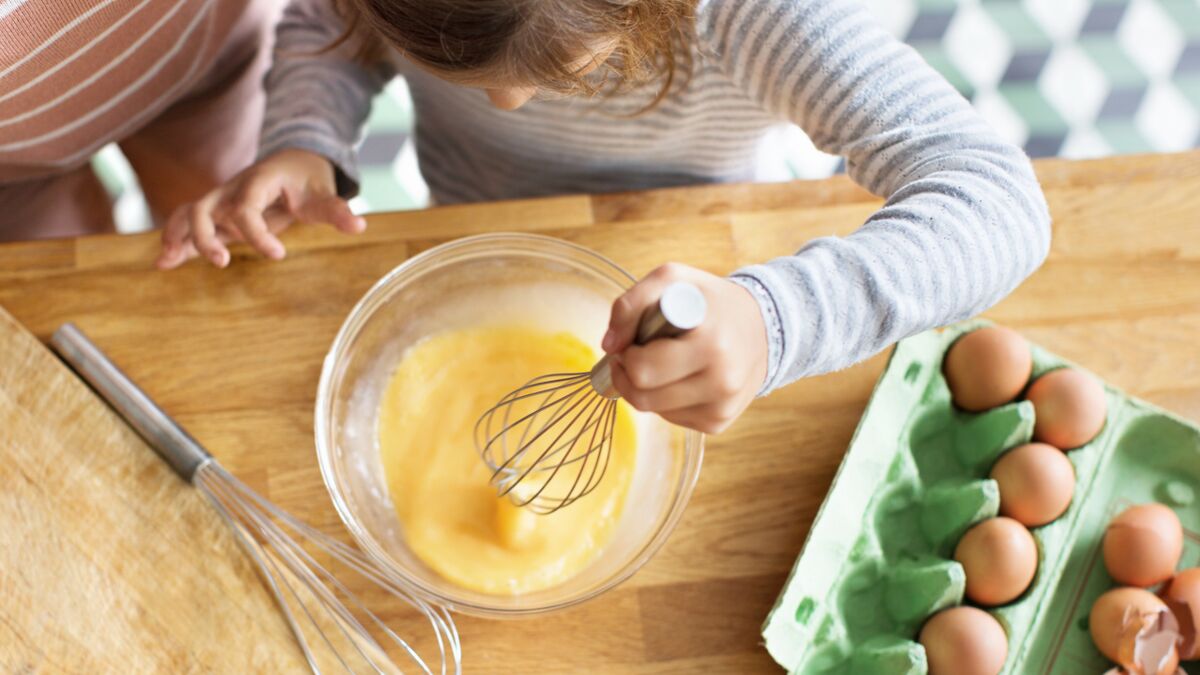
(878,559)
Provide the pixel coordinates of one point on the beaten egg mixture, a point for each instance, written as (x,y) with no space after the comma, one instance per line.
(452,518)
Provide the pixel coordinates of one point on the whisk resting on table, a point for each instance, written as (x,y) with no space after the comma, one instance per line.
(548,442)
(334,628)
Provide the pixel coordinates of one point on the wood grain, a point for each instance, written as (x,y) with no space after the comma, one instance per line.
(109,562)
(235,355)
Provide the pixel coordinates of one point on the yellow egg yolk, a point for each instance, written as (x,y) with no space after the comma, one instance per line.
(451,515)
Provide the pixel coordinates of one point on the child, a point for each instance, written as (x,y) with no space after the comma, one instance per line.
(519,98)
(176,83)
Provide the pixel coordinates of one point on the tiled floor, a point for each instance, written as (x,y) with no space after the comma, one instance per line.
(1074,78)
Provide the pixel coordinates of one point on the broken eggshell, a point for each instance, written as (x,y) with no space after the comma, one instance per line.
(1182,595)
(1135,629)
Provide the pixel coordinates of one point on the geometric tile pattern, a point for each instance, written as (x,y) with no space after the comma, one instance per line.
(1074,78)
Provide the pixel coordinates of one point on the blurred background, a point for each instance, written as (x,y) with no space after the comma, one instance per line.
(1068,78)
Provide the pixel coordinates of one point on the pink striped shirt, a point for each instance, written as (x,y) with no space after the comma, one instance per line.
(76,74)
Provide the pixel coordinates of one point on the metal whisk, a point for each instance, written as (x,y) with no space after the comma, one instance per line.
(334,628)
(548,442)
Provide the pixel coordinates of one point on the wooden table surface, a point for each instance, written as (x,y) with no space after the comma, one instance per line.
(235,356)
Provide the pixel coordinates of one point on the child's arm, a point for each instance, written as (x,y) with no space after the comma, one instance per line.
(965,220)
(319,99)
(317,102)
(964,223)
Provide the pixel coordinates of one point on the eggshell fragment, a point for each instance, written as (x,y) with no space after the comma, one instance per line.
(964,641)
(987,367)
(999,557)
(1142,545)
(1134,628)
(1036,483)
(1182,595)
(1069,408)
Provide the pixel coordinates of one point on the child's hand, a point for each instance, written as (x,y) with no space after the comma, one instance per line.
(703,379)
(254,206)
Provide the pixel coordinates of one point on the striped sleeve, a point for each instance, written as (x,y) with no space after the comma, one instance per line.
(964,222)
(318,100)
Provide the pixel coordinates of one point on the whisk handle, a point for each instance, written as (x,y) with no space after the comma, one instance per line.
(168,439)
(681,308)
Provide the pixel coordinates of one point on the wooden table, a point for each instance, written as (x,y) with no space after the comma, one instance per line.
(235,356)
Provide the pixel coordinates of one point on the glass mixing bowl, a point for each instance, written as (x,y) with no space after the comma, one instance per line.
(495,278)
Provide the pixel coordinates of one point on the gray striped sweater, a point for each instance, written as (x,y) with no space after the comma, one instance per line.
(964,222)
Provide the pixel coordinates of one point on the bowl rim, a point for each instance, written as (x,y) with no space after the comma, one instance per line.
(688,475)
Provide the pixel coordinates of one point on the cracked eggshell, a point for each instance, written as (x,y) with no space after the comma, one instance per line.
(1182,595)
(1133,628)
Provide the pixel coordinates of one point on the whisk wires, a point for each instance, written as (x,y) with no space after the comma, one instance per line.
(548,443)
(322,612)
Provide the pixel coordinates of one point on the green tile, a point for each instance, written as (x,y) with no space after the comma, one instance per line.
(935,54)
(1185,14)
(1189,85)
(1118,68)
(1016,23)
(113,170)
(382,192)
(1034,109)
(937,4)
(388,114)
(1123,136)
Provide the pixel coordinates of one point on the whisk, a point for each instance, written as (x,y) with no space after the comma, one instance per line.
(548,442)
(334,628)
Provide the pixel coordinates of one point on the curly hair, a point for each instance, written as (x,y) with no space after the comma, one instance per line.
(532,42)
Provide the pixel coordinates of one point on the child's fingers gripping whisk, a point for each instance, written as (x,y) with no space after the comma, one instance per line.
(703,379)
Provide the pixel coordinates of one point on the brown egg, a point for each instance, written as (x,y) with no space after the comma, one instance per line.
(1182,595)
(1069,408)
(1036,483)
(964,641)
(987,367)
(1000,558)
(1142,546)
(1129,627)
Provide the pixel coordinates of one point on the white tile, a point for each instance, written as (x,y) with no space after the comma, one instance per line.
(998,113)
(1167,119)
(787,153)
(1073,84)
(978,47)
(1084,143)
(407,173)
(1151,39)
(1061,19)
(397,89)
